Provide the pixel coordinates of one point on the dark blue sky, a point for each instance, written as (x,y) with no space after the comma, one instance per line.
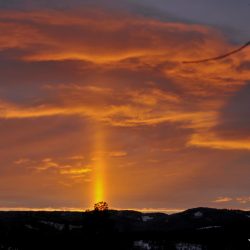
(230,15)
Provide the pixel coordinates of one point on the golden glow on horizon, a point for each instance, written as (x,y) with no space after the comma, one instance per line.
(70,209)
(99,189)
(99,170)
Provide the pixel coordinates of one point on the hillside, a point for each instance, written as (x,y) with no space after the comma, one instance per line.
(198,228)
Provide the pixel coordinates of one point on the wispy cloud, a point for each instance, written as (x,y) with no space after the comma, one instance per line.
(241,199)
(223,199)
(209,140)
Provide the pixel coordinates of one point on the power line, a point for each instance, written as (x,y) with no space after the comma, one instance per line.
(219,57)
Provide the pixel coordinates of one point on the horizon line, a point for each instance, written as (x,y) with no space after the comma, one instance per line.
(71,209)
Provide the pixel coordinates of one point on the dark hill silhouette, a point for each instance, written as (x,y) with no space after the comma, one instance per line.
(198,228)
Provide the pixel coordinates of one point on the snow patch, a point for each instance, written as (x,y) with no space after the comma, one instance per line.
(146,218)
(72,227)
(142,245)
(210,227)
(186,246)
(57,226)
(198,214)
(30,227)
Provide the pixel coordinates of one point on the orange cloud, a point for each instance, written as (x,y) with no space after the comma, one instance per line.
(118,115)
(223,199)
(242,199)
(210,140)
(76,171)
(119,37)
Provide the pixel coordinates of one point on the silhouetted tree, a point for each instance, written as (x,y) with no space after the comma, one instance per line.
(101,206)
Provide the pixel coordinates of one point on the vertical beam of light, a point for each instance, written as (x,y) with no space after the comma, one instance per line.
(99,170)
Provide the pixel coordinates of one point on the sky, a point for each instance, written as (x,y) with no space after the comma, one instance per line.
(97,104)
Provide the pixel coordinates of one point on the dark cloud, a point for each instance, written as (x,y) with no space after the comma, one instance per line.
(235,116)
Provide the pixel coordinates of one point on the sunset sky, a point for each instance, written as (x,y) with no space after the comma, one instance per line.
(96,104)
